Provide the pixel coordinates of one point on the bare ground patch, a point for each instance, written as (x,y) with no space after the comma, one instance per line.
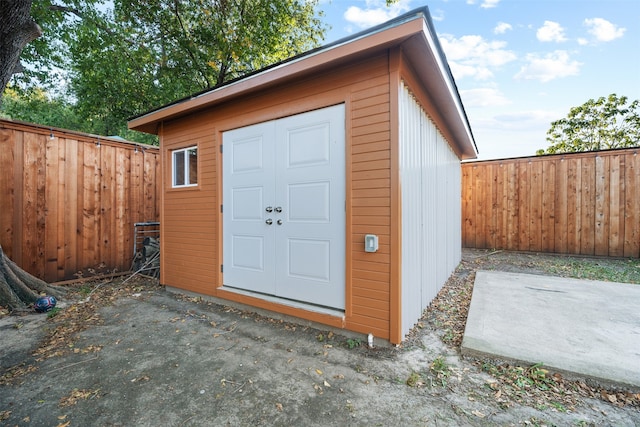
(131,354)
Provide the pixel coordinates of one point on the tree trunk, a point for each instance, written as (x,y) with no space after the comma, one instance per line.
(17,28)
(18,289)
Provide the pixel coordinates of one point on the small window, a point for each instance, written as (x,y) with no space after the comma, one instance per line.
(185,167)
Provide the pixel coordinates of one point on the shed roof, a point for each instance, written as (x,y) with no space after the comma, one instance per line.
(413,31)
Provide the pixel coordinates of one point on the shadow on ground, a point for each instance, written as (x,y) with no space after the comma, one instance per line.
(148,357)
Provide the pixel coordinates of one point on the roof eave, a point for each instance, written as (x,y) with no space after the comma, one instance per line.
(414,30)
(428,56)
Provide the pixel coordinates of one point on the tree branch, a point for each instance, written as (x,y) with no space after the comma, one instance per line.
(189,42)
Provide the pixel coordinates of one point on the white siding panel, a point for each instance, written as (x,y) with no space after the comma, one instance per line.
(430,190)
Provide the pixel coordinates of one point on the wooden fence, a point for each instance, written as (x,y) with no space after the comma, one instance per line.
(587,203)
(69,201)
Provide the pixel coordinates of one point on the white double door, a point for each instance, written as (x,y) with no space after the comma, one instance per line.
(284,207)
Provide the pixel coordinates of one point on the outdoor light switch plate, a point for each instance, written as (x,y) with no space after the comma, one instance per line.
(370,243)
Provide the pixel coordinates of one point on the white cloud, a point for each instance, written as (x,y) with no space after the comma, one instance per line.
(502,28)
(513,133)
(437,15)
(551,32)
(486,4)
(551,66)
(518,120)
(473,56)
(461,71)
(376,12)
(603,30)
(483,97)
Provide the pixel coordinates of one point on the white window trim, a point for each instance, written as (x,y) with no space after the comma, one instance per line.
(185,168)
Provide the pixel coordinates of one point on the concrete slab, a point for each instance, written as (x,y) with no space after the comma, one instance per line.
(583,327)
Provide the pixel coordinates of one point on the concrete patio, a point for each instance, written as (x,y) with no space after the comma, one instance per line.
(587,328)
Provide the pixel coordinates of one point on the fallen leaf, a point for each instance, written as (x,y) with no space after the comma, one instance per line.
(478,414)
(64,424)
(279,406)
(318,371)
(76,395)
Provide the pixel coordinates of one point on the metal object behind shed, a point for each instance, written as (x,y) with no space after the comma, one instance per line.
(146,248)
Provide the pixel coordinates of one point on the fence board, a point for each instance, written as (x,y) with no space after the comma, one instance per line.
(512,207)
(548,212)
(587,209)
(51,223)
(467,208)
(601,214)
(80,206)
(524,193)
(632,206)
(502,216)
(32,207)
(582,203)
(91,206)
(616,207)
(574,226)
(106,215)
(61,226)
(68,204)
(560,191)
(7,185)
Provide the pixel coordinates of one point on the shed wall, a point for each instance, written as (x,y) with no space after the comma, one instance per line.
(430,192)
(191,222)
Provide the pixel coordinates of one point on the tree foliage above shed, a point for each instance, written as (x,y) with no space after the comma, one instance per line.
(117,59)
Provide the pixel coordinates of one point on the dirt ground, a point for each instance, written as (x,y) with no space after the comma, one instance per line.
(132,354)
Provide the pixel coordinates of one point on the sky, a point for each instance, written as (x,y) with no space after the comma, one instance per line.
(519,64)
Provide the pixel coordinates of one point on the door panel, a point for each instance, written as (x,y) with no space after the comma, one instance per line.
(309,259)
(308,145)
(247,253)
(248,242)
(311,186)
(295,166)
(246,203)
(309,202)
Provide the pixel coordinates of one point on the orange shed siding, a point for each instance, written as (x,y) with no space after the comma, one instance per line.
(191,220)
(371,212)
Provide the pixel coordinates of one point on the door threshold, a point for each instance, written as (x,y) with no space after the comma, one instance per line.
(334,312)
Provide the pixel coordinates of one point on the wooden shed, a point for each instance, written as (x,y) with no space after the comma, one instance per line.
(271,182)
